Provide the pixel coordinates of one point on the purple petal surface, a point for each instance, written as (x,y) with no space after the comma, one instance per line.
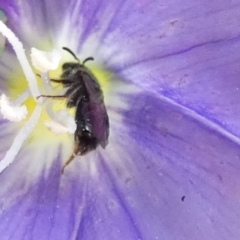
(173,182)
(171,170)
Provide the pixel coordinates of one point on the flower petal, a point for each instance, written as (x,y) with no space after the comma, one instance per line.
(179,178)
(45,15)
(182,52)
(191,56)
(176,176)
(170,184)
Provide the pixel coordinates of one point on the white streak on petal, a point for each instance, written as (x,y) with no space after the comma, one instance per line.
(91,46)
(11,112)
(20,52)
(20,138)
(64,118)
(64,123)
(45,61)
(55,127)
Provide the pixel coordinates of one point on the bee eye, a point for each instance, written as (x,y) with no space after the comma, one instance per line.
(65,66)
(69,65)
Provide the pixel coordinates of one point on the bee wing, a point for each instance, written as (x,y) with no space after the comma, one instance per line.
(97,110)
(100,123)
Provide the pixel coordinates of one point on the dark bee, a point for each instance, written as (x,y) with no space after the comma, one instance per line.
(84,93)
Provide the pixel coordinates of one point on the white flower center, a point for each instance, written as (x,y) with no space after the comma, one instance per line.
(44,62)
(11,112)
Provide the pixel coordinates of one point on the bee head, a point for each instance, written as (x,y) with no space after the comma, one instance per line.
(84,142)
(70,66)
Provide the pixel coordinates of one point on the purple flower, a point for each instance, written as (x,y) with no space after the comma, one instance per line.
(172,166)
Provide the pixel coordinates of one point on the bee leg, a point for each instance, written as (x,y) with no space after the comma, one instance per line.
(52,96)
(63,80)
(68,162)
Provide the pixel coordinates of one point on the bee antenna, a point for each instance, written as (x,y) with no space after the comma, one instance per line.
(71,52)
(88,59)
